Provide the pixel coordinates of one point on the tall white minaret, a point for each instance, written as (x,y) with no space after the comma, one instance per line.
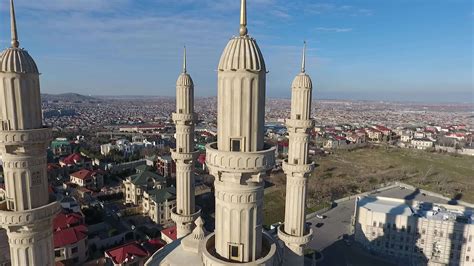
(240,159)
(297,168)
(184,214)
(28,211)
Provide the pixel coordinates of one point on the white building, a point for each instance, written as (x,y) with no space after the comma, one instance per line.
(422,144)
(416,233)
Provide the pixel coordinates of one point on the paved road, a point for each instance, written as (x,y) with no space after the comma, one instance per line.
(328,237)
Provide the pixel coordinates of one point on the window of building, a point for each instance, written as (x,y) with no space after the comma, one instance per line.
(375,224)
(441,233)
(388,225)
(403,228)
(423,231)
(422,241)
(468,249)
(74,250)
(298,117)
(57,253)
(467,258)
(470,238)
(394,226)
(236,145)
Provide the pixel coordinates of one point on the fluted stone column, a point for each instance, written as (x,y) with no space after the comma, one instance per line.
(240,159)
(27,212)
(184,214)
(297,168)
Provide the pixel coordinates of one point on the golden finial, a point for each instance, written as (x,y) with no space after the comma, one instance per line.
(243,18)
(15,43)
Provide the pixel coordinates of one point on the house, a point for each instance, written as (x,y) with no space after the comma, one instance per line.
(406,137)
(158,203)
(75,161)
(70,240)
(87,178)
(422,144)
(374,135)
(131,254)
(166,166)
(142,181)
(70,204)
(61,147)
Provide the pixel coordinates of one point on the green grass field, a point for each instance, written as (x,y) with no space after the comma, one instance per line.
(350,172)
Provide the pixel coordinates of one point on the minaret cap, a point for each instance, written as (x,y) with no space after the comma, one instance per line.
(243,18)
(15,42)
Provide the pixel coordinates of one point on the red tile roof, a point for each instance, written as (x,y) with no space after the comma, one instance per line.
(72,159)
(63,221)
(170,232)
(69,236)
(126,253)
(83,174)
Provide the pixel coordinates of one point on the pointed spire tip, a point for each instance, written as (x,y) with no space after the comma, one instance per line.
(303,63)
(15,42)
(243,18)
(184,61)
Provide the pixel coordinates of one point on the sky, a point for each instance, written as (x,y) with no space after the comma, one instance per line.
(402,50)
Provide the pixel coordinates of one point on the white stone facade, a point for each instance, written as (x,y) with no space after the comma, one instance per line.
(432,237)
(27,213)
(184,155)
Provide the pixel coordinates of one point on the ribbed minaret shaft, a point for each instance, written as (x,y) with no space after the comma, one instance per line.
(27,212)
(297,168)
(240,159)
(184,214)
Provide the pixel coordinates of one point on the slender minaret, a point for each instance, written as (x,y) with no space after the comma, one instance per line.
(184,214)
(27,212)
(297,168)
(240,159)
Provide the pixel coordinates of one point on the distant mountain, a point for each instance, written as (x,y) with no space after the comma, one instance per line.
(68,97)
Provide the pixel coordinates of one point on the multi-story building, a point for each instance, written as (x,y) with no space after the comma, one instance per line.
(144,180)
(422,144)
(416,233)
(166,166)
(61,147)
(157,204)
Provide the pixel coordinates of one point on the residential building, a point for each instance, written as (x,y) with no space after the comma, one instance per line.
(144,180)
(166,166)
(157,204)
(61,147)
(70,239)
(415,233)
(422,144)
(89,179)
(131,254)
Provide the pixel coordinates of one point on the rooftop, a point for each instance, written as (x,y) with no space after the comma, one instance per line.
(426,210)
(126,253)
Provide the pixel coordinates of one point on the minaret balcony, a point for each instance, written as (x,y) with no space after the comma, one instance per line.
(183,219)
(184,117)
(295,240)
(183,156)
(27,217)
(297,168)
(22,137)
(296,123)
(239,162)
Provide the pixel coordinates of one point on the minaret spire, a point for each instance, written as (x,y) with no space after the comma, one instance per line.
(15,43)
(303,62)
(243,18)
(184,60)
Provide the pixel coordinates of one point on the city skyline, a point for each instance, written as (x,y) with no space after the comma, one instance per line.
(104,41)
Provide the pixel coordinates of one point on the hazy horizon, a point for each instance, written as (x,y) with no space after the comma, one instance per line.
(374,50)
